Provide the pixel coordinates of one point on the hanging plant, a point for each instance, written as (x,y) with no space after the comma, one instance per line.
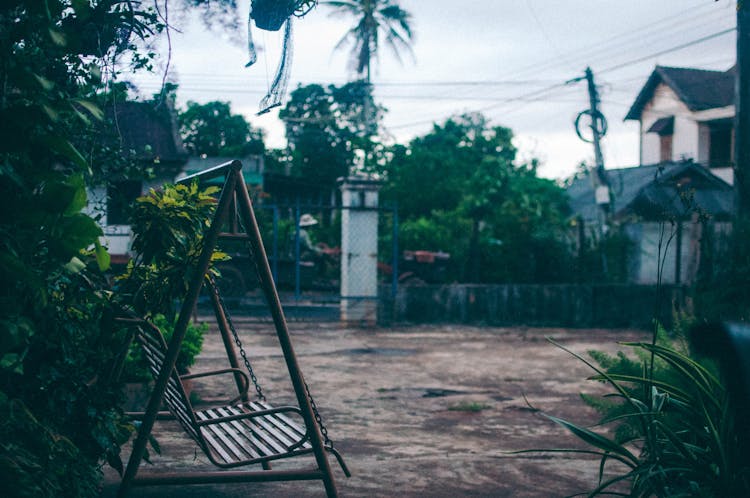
(271,14)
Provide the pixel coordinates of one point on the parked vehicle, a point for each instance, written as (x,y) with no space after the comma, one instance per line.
(419,267)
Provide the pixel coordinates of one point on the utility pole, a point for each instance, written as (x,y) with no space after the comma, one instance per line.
(742,112)
(595,113)
(598,128)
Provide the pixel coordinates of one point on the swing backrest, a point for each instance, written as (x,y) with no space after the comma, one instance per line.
(154,348)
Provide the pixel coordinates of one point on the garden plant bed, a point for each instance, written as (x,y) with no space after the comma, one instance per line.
(417,410)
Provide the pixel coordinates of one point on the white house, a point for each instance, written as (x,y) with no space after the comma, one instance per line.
(687,114)
(148,135)
(686,145)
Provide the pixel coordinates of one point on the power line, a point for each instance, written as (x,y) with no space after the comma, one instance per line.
(672,49)
(542,91)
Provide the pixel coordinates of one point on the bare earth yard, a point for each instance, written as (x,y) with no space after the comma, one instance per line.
(428,411)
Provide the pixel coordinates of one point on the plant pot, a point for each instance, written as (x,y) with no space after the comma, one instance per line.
(271,14)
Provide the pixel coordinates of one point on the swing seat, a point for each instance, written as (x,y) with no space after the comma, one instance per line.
(249,433)
(232,435)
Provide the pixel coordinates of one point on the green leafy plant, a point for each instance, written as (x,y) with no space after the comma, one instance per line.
(135,368)
(673,429)
(168,227)
(59,403)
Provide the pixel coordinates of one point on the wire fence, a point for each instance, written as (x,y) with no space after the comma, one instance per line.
(303,243)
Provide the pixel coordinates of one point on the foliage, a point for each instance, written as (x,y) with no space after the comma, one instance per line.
(516,220)
(58,402)
(59,415)
(168,227)
(325,126)
(721,292)
(604,258)
(135,368)
(675,434)
(211,129)
(375,20)
(468,406)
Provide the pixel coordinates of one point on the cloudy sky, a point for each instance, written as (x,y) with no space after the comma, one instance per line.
(509,59)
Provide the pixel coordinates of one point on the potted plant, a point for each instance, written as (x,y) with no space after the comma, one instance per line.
(271,14)
(135,373)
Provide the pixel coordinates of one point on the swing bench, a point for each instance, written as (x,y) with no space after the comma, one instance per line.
(243,431)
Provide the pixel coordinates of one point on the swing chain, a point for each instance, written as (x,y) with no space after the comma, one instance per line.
(319,420)
(243,354)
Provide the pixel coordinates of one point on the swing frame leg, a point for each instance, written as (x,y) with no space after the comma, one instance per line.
(244,204)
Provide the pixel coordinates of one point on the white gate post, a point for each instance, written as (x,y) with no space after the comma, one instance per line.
(359,249)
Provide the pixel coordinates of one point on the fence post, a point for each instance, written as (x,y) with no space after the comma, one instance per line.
(359,249)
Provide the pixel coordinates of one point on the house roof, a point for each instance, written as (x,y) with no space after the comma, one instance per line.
(663,126)
(655,192)
(149,131)
(252,167)
(699,89)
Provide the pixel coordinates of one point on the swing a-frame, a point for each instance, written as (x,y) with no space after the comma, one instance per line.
(244,431)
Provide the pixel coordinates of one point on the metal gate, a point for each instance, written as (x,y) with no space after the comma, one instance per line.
(303,244)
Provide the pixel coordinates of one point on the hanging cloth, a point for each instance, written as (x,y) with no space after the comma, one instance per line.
(271,15)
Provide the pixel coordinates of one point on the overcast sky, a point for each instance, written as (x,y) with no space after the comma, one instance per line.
(506,58)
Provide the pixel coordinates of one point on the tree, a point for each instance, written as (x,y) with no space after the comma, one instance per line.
(373,18)
(58,399)
(213,130)
(324,129)
(513,217)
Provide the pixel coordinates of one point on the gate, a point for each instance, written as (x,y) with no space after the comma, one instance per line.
(303,243)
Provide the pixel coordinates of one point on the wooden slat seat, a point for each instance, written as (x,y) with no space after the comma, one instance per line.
(230,435)
(250,436)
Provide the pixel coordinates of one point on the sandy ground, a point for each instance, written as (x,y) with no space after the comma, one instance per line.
(417,411)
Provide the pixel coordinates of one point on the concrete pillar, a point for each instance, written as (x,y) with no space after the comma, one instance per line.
(359,249)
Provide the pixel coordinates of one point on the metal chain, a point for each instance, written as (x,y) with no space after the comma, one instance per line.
(327,442)
(236,336)
(319,420)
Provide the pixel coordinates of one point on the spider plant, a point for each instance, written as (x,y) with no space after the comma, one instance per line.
(679,437)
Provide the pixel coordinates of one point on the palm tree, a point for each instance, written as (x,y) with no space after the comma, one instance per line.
(373,19)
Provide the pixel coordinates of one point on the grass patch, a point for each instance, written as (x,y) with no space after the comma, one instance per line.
(469,406)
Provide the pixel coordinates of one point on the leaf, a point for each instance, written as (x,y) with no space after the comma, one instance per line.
(115,461)
(103,259)
(75,265)
(154,444)
(12,362)
(79,198)
(65,149)
(92,108)
(58,38)
(75,233)
(597,440)
(46,84)
(50,112)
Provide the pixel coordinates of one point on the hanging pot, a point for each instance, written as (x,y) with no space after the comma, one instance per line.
(271,14)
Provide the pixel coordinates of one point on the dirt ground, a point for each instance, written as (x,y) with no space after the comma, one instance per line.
(419,411)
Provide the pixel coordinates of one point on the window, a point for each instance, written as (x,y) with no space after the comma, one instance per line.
(664,127)
(720,145)
(665,148)
(120,197)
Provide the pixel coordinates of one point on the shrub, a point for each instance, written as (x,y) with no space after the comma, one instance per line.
(674,431)
(136,367)
(168,227)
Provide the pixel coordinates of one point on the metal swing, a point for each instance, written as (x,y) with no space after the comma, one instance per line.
(241,432)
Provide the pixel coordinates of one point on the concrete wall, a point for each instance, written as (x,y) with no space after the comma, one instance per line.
(531,305)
